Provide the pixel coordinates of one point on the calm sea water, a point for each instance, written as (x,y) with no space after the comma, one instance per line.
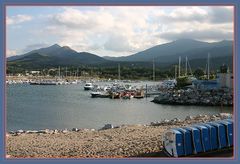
(68,106)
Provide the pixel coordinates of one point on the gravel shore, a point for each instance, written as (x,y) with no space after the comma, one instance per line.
(118,142)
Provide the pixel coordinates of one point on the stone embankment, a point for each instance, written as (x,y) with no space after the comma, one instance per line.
(220,97)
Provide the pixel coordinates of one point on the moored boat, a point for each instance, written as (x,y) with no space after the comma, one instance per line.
(88,86)
(139,94)
(100,94)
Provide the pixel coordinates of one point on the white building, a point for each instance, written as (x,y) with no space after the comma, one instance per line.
(35,72)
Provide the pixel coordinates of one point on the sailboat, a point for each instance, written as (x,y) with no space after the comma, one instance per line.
(190,77)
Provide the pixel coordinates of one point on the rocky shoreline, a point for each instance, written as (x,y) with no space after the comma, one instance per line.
(108,142)
(219,97)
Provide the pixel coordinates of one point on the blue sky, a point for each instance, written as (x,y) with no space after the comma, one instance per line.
(113,30)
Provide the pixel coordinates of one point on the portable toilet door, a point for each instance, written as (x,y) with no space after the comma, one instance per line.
(221,133)
(205,137)
(188,143)
(229,131)
(196,138)
(213,135)
(173,143)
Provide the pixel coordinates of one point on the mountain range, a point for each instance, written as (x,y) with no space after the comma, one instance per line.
(183,47)
(164,55)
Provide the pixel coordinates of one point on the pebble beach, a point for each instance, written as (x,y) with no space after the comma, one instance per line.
(115,142)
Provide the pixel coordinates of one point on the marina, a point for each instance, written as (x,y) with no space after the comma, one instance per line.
(119,81)
(68,106)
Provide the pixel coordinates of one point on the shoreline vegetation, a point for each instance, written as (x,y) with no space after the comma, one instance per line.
(108,142)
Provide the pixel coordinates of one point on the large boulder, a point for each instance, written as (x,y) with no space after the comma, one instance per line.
(107,126)
(225,115)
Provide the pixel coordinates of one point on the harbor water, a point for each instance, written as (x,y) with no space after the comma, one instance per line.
(34,107)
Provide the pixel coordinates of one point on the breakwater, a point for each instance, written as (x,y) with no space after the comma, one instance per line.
(215,97)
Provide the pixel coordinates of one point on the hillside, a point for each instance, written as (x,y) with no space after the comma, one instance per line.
(165,56)
(54,55)
(169,52)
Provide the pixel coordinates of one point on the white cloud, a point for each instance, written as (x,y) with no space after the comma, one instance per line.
(116,29)
(11,52)
(124,30)
(17,19)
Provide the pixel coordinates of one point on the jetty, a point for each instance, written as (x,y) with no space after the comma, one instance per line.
(214,97)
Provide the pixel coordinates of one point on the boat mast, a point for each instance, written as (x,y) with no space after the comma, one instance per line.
(208,64)
(179,66)
(59,73)
(153,70)
(77,72)
(175,71)
(190,68)
(119,73)
(186,66)
(66,72)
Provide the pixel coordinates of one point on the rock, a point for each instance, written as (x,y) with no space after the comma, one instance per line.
(11,132)
(65,131)
(175,120)
(31,131)
(75,129)
(213,117)
(189,118)
(199,116)
(166,121)
(55,131)
(225,115)
(20,131)
(107,126)
(42,131)
(47,131)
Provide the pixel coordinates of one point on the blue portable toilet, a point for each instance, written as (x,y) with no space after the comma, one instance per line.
(196,138)
(229,130)
(213,135)
(230,138)
(205,137)
(188,143)
(221,134)
(173,143)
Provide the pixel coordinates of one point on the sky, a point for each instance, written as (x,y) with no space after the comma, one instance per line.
(113,30)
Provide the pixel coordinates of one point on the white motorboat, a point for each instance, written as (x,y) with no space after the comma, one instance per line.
(99,94)
(88,86)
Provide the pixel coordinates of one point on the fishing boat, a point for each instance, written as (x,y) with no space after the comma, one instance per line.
(139,94)
(115,95)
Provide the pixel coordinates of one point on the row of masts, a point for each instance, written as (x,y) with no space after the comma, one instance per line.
(76,74)
(187,64)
